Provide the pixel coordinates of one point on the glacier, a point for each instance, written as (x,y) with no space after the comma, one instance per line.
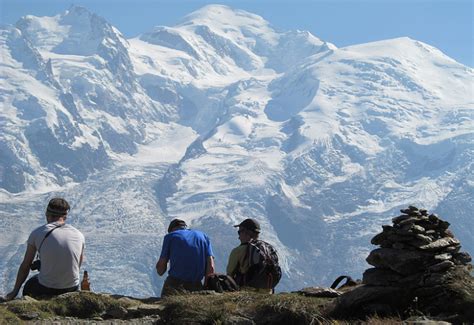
(220,118)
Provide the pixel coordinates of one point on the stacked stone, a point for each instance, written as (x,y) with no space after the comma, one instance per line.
(418,268)
(418,251)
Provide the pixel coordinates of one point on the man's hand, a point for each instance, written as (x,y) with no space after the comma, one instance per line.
(11,295)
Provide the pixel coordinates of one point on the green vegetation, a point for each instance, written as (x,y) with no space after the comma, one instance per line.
(78,305)
(187,308)
(84,305)
(244,307)
(8,317)
(262,308)
(28,308)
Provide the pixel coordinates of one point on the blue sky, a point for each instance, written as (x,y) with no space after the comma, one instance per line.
(445,24)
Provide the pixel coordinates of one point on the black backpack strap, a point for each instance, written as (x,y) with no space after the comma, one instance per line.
(253,268)
(47,235)
(339,279)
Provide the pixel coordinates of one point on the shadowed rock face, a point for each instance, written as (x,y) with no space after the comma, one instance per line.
(419,267)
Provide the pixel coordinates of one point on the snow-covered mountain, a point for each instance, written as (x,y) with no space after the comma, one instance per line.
(221,118)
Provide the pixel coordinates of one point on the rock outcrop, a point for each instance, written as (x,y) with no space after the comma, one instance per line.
(417,268)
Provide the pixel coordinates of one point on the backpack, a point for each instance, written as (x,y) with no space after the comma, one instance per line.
(221,282)
(264,271)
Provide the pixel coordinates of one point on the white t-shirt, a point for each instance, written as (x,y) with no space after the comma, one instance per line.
(60,255)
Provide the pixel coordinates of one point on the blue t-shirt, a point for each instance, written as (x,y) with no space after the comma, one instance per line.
(187,250)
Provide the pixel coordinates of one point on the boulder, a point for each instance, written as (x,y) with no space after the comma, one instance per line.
(440,244)
(381,277)
(462,258)
(401,261)
(441,266)
(370,300)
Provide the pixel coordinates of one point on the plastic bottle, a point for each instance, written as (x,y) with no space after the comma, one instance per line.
(85,284)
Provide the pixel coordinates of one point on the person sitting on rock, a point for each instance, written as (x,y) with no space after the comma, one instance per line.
(191,258)
(254,263)
(61,250)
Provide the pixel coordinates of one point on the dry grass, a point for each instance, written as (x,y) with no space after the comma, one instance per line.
(8,317)
(243,307)
(262,308)
(84,305)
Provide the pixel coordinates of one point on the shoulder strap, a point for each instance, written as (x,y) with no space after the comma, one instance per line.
(251,248)
(339,279)
(47,235)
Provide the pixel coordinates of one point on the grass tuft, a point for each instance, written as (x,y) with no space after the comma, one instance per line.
(8,317)
(77,305)
(263,308)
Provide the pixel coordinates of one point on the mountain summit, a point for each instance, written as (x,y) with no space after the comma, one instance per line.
(77,31)
(221,118)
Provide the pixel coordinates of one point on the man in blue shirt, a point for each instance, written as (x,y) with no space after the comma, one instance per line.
(190,255)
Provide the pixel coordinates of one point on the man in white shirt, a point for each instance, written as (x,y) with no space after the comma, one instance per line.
(60,247)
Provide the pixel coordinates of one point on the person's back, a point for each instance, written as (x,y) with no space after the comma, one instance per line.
(188,250)
(190,255)
(254,263)
(264,271)
(60,249)
(60,254)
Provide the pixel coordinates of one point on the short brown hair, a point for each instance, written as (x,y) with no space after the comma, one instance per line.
(177,223)
(57,207)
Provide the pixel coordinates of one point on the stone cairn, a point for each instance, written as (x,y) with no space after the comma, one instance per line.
(417,251)
(417,269)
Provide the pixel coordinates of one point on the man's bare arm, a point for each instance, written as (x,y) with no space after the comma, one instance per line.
(161,266)
(81,258)
(23,271)
(210,267)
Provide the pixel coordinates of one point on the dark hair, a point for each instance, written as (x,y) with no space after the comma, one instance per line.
(252,233)
(57,207)
(176,223)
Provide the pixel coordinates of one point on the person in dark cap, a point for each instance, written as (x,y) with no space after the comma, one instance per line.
(250,224)
(190,255)
(254,263)
(238,265)
(60,249)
